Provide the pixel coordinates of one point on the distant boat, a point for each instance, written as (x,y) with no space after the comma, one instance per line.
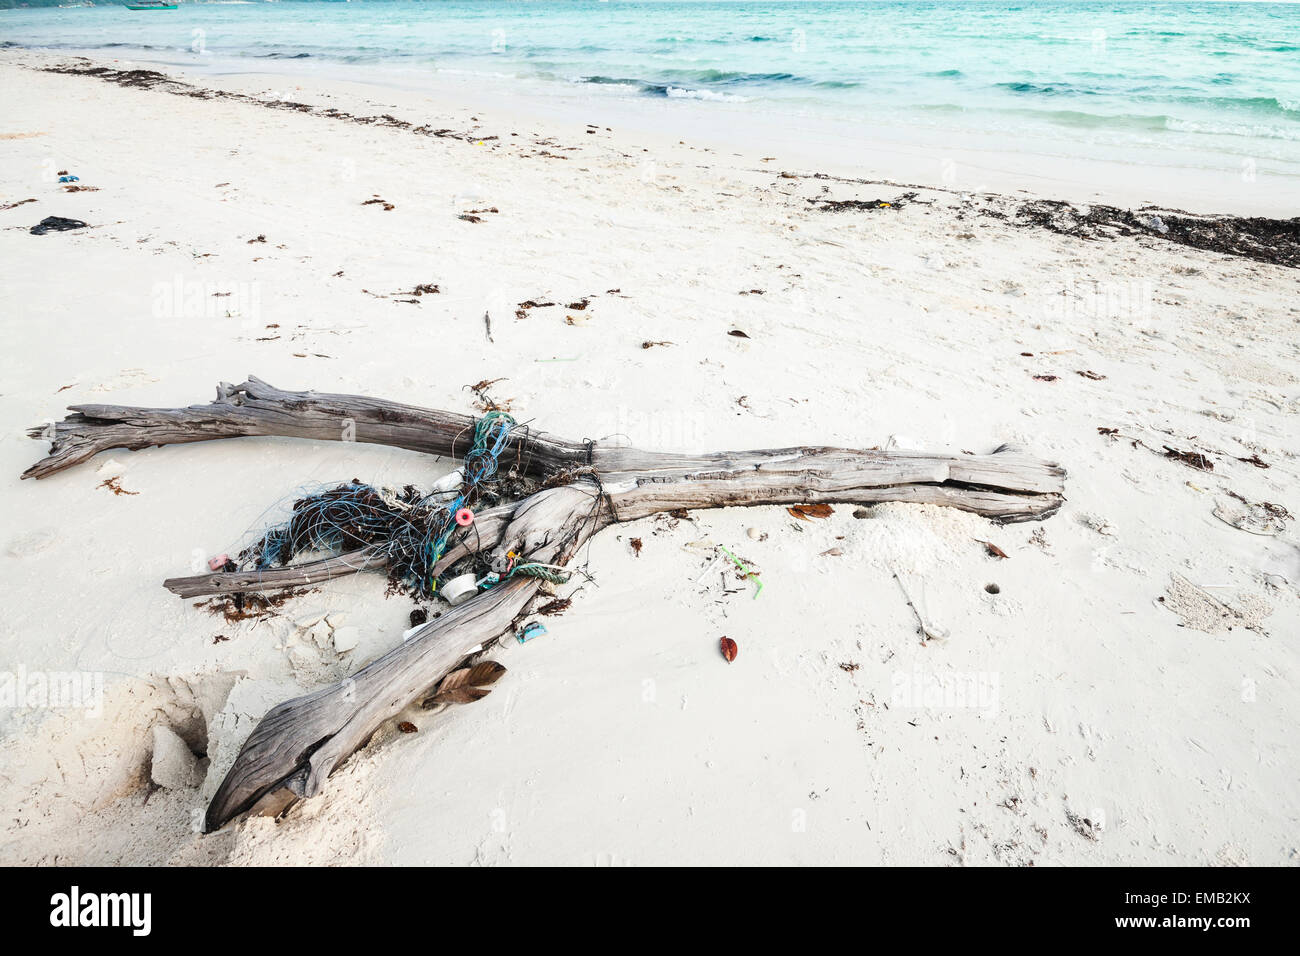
(150,5)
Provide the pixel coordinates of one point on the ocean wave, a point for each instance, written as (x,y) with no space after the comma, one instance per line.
(680,93)
(732,77)
(1161,94)
(1045,89)
(1262,105)
(695,84)
(1140,123)
(668,90)
(610,81)
(1251,131)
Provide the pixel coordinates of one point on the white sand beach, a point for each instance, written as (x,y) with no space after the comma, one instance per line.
(1127,696)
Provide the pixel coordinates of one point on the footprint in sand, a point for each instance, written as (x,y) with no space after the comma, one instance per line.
(125,379)
(33,542)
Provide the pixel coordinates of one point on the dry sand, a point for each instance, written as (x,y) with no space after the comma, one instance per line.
(1128,695)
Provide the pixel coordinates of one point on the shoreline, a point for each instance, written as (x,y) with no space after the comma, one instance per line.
(935,158)
(1123,717)
(1266,239)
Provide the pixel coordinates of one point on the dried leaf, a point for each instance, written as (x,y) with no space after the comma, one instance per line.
(1090,374)
(458,695)
(407,727)
(1103,430)
(804,512)
(739,334)
(466,684)
(729,649)
(832,552)
(480,675)
(1044,378)
(993,550)
(636,546)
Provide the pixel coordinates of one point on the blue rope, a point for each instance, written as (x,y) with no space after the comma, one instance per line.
(491,433)
(414,530)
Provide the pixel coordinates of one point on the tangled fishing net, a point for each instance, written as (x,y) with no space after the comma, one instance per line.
(412,528)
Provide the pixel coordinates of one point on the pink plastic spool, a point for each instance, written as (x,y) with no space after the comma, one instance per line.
(464,517)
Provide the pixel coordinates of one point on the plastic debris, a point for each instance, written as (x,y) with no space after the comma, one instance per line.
(1156,223)
(1263,519)
(449,482)
(530,631)
(460,589)
(56,224)
(744,569)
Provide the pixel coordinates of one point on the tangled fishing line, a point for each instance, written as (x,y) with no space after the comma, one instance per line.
(411,528)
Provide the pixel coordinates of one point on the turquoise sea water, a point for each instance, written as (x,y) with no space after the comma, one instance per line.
(1209,84)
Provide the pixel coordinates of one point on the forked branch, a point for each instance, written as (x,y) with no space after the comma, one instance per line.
(301,742)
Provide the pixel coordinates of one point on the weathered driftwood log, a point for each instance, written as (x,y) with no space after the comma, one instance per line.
(255,408)
(1005,485)
(296,746)
(299,743)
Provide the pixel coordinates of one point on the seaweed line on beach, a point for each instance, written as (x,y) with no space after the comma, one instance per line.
(1261,239)
(153,80)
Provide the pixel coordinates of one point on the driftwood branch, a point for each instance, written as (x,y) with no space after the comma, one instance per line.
(295,748)
(255,408)
(299,743)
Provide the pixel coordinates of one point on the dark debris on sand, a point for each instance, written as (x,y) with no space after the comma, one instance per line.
(856,205)
(1272,241)
(1275,241)
(153,80)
